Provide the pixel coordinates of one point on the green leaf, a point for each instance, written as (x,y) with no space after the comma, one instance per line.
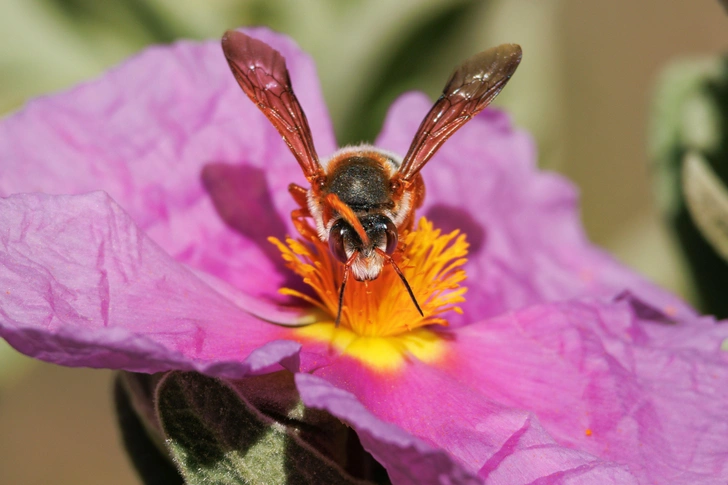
(154,466)
(217,436)
(707,200)
(690,146)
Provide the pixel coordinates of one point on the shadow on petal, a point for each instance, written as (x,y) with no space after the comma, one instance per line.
(450,218)
(242,198)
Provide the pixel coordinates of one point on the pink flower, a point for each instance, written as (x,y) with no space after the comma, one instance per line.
(134,235)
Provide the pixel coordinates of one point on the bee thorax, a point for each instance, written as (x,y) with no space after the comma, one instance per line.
(361,182)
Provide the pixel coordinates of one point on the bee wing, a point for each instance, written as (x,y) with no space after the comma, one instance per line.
(261,71)
(471,88)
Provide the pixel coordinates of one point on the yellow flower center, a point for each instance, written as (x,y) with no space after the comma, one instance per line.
(379,322)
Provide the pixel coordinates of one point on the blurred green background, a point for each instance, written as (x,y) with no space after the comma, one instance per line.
(584,89)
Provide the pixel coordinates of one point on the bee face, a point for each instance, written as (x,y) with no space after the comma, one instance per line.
(366,255)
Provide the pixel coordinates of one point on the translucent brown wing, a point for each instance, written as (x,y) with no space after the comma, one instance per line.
(470,88)
(261,72)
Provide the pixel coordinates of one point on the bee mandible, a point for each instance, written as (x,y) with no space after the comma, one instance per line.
(362,198)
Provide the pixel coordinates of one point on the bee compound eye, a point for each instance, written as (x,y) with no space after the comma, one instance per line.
(336,240)
(392,237)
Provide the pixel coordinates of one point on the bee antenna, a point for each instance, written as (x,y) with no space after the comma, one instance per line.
(347,270)
(390,260)
(348,215)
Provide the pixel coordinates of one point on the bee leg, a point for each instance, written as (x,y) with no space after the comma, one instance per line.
(300,219)
(301,215)
(418,197)
(299,194)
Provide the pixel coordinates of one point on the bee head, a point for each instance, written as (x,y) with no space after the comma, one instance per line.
(380,231)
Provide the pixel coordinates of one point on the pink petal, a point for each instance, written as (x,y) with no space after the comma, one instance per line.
(527,245)
(82,285)
(502,444)
(202,175)
(147,133)
(650,396)
(407,459)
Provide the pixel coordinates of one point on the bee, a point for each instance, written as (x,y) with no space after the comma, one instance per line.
(362,198)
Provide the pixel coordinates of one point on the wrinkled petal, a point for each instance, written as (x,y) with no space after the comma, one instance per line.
(407,459)
(651,396)
(502,444)
(627,385)
(83,286)
(158,133)
(527,245)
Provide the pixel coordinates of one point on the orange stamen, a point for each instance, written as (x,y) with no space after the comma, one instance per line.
(430,261)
